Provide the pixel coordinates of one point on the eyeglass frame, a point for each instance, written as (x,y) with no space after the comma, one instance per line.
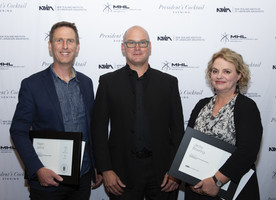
(139,43)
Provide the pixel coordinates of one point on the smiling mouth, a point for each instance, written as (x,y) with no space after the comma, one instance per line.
(64,53)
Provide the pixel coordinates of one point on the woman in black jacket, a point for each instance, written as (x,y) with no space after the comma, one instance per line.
(231,117)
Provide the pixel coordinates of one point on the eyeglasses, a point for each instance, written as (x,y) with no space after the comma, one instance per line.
(141,44)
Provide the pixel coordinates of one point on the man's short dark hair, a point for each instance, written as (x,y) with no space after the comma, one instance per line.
(64,24)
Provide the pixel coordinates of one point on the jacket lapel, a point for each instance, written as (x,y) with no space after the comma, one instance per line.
(51,90)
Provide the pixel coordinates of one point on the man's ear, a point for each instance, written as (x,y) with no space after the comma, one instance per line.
(123,49)
(50,49)
(78,49)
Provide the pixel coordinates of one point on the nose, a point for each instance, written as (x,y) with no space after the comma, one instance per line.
(65,45)
(137,46)
(219,75)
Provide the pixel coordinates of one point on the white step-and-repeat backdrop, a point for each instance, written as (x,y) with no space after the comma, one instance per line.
(184,35)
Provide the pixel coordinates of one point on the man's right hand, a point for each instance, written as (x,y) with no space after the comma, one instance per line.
(112,183)
(46,177)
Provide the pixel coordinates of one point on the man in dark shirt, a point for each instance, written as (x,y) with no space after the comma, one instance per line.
(57,99)
(144,109)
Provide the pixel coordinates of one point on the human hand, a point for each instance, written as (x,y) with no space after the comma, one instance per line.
(206,187)
(47,177)
(99,180)
(112,183)
(169,183)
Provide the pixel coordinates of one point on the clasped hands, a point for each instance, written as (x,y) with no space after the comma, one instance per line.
(114,185)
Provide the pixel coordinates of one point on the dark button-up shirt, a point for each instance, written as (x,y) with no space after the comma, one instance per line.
(141,129)
(73,111)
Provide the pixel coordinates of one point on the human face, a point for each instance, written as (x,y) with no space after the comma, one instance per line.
(224,76)
(64,47)
(136,56)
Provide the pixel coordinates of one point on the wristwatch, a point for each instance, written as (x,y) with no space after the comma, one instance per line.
(217,182)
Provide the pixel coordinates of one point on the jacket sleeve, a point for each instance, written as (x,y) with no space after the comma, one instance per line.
(177,120)
(248,138)
(100,123)
(20,127)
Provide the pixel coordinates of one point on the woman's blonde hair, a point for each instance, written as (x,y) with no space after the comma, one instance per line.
(241,67)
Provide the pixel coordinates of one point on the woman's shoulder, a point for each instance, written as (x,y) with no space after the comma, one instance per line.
(245,101)
(204,101)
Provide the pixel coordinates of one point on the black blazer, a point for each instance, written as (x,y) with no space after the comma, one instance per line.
(249,131)
(115,102)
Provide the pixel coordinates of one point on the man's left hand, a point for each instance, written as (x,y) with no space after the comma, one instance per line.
(98,182)
(169,183)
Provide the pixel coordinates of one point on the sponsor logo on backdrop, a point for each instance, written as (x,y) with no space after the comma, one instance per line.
(11,175)
(238,10)
(65,7)
(181,8)
(80,63)
(9,66)
(13,37)
(8,94)
(185,94)
(7,149)
(46,64)
(46,7)
(9,7)
(247,10)
(116,37)
(271,148)
(224,9)
(47,35)
(253,95)
(118,66)
(273,120)
(5,122)
(106,66)
(118,8)
(271,198)
(255,64)
(76,64)
(167,66)
(274,175)
(273,66)
(235,38)
(180,38)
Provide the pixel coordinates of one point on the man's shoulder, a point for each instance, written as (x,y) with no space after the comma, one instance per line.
(115,74)
(163,75)
(38,75)
(81,75)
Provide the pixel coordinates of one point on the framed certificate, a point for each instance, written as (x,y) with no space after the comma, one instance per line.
(60,152)
(200,156)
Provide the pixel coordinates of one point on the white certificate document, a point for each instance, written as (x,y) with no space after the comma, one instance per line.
(200,156)
(55,154)
(203,160)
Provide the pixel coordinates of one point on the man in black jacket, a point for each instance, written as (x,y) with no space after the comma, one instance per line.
(144,109)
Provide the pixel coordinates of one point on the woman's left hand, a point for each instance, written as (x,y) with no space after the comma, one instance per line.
(206,187)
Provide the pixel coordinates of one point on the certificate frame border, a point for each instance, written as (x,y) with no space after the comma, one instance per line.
(192,133)
(76,137)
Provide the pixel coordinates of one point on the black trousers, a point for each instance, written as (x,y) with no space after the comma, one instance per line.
(66,192)
(145,184)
